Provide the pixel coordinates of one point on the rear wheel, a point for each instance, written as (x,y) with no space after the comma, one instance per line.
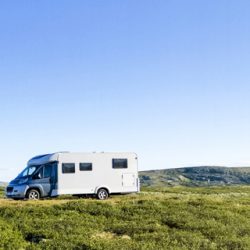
(102,194)
(33,194)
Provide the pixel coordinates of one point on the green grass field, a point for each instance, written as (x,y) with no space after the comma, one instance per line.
(166,218)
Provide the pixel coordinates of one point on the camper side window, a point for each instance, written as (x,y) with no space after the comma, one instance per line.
(120,163)
(85,166)
(68,168)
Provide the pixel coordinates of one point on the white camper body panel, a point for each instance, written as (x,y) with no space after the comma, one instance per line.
(102,175)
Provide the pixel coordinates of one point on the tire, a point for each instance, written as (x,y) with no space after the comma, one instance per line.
(102,194)
(33,194)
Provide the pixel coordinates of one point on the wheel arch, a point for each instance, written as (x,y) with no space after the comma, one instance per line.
(102,187)
(36,188)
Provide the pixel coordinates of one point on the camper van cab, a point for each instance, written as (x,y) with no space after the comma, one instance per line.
(99,174)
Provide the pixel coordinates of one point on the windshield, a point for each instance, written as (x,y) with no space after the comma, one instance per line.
(28,171)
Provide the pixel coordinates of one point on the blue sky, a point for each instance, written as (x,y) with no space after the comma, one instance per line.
(166,79)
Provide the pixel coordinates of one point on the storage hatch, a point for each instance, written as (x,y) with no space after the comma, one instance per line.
(128,180)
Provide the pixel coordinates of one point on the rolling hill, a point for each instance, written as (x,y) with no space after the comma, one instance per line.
(192,176)
(196,176)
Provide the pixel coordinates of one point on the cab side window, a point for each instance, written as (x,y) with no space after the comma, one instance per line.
(47,171)
(43,172)
(39,174)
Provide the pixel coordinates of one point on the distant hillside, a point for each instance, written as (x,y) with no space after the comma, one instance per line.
(192,176)
(3,184)
(196,176)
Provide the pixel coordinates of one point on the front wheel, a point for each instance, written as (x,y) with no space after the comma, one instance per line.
(33,194)
(102,194)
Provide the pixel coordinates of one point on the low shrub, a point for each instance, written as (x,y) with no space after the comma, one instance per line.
(173,218)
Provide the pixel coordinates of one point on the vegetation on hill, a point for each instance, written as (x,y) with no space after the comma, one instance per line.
(196,176)
(1,192)
(167,218)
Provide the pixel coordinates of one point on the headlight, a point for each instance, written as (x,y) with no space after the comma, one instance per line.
(22,181)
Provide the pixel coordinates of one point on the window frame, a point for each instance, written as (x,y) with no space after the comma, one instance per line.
(68,163)
(119,159)
(89,163)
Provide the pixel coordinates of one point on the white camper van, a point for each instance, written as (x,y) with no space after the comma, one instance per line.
(99,174)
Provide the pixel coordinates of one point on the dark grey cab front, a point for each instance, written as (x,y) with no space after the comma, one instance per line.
(40,178)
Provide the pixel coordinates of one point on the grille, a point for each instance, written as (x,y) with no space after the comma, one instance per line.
(9,189)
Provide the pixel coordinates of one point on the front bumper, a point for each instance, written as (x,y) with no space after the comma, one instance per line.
(17,191)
